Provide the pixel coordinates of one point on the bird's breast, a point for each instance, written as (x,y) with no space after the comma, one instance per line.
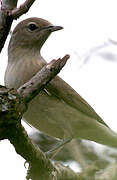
(18,73)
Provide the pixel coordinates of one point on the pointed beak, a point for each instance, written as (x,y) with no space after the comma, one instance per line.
(54,28)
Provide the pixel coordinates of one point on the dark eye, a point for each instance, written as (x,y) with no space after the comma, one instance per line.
(32,27)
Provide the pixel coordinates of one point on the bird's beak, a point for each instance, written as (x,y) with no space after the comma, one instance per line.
(54,28)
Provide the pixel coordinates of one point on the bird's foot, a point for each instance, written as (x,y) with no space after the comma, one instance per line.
(51,154)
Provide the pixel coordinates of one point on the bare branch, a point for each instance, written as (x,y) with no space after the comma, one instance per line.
(12,108)
(30,89)
(5,19)
(17,12)
(40,166)
(8,13)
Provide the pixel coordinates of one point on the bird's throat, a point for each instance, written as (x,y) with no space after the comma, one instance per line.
(26,64)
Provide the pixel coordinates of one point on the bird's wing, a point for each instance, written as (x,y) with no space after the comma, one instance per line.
(63,91)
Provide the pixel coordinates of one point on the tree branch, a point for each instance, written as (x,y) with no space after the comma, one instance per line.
(9,12)
(30,89)
(40,166)
(12,108)
(5,19)
(17,12)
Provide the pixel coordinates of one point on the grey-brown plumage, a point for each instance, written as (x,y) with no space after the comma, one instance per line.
(58,110)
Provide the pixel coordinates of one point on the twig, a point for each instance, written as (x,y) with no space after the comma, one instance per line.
(17,12)
(30,89)
(8,13)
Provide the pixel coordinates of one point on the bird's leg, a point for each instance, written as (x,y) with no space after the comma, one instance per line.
(51,154)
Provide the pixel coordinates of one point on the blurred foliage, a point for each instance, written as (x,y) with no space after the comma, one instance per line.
(94,166)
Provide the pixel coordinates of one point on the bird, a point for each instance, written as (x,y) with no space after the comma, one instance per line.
(58,110)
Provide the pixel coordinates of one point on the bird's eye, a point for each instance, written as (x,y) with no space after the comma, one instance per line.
(32,27)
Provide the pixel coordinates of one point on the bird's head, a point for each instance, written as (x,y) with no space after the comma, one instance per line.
(32,32)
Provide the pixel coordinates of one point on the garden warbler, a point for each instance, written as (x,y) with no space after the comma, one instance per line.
(58,110)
